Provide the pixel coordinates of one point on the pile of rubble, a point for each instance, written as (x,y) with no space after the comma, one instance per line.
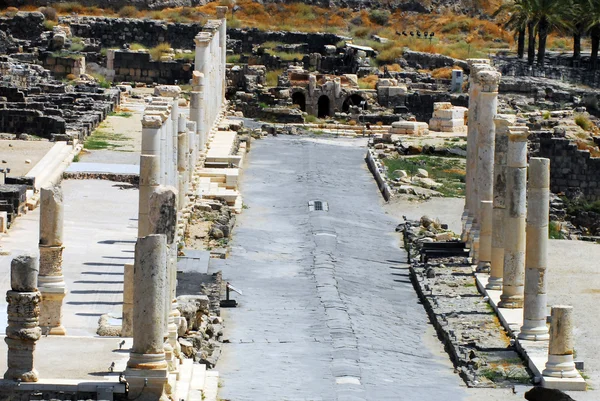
(479,347)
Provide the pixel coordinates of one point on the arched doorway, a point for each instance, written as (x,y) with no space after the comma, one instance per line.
(323,107)
(299,99)
(352,100)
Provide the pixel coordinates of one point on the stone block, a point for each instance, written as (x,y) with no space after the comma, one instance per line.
(409,128)
(3,222)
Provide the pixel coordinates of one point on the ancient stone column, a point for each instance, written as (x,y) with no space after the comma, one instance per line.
(51,281)
(163,220)
(513,279)
(150,176)
(485,235)
(147,369)
(23,318)
(486,134)
(222,15)
(472,129)
(560,349)
(536,259)
(501,145)
(203,66)
(182,160)
(198,110)
(127,320)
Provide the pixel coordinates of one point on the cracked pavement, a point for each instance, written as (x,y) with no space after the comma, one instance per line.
(328,311)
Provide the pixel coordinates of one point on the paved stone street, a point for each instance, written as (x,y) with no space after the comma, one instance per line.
(328,310)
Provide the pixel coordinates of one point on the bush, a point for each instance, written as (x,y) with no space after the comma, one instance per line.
(584,122)
(128,12)
(157,51)
(137,46)
(49,25)
(379,17)
(50,13)
(69,7)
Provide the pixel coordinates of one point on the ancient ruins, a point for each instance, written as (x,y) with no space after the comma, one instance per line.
(135,270)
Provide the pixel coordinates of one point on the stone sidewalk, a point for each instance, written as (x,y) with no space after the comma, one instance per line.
(99,237)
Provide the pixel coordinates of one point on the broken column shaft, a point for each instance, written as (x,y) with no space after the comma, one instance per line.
(23,319)
(486,134)
(147,370)
(51,281)
(514,223)
(498,213)
(561,346)
(536,260)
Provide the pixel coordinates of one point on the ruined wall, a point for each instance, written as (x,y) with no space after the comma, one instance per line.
(63,66)
(114,32)
(137,67)
(572,171)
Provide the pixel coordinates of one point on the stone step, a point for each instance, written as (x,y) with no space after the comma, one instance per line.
(185,378)
(196,391)
(211,385)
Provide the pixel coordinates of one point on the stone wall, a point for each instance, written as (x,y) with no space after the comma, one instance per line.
(247,38)
(63,66)
(114,4)
(573,172)
(114,32)
(431,60)
(510,66)
(12,200)
(24,25)
(138,67)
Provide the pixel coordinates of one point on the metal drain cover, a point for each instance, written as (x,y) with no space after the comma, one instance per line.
(318,206)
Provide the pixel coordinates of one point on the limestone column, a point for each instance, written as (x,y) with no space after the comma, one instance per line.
(23,311)
(560,349)
(147,369)
(472,127)
(192,153)
(486,134)
(501,144)
(222,15)
(513,279)
(163,220)
(182,160)
(149,168)
(485,235)
(198,110)
(51,281)
(127,320)
(536,259)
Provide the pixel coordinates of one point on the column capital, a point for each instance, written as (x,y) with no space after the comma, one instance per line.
(222,12)
(488,79)
(203,39)
(152,121)
(518,134)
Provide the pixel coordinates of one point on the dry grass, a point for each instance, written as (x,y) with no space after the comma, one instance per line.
(368,82)
(444,72)
(458,36)
(158,51)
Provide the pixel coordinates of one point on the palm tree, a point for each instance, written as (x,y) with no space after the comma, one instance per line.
(592,10)
(549,15)
(519,12)
(579,16)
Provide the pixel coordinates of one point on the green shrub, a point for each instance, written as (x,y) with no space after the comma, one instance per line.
(584,122)
(49,25)
(233,58)
(554,230)
(546,115)
(379,17)
(128,12)
(137,46)
(157,51)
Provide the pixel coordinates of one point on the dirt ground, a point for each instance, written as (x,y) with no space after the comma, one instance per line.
(573,279)
(15,152)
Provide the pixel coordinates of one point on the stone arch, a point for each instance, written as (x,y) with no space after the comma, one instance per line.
(352,100)
(300,99)
(323,107)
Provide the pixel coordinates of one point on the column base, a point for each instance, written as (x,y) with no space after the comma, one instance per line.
(483,266)
(534,330)
(147,385)
(494,283)
(51,310)
(560,366)
(511,302)
(27,376)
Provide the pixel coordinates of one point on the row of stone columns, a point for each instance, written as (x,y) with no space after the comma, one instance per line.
(172,145)
(506,218)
